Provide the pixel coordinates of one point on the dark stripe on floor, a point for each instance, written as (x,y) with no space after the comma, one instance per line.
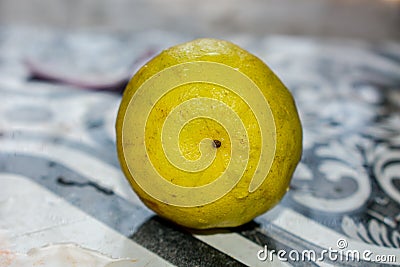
(178,246)
(92,198)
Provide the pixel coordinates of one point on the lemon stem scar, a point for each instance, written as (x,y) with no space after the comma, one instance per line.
(217,143)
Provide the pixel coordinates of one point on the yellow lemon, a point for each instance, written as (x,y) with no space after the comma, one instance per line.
(207,135)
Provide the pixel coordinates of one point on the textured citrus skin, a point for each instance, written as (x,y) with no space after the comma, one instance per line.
(239,205)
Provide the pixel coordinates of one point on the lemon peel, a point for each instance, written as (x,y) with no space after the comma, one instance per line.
(207,135)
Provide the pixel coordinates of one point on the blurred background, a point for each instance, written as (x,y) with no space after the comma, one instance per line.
(364,19)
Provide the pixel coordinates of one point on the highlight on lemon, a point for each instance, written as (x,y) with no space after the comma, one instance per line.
(207,135)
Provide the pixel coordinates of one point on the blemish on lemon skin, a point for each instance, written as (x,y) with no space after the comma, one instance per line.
(241,195)
(217,143)
(202,221)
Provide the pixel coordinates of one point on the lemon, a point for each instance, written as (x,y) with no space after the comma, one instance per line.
(207,135)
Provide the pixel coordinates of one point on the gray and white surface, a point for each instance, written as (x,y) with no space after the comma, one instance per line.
(61,189)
